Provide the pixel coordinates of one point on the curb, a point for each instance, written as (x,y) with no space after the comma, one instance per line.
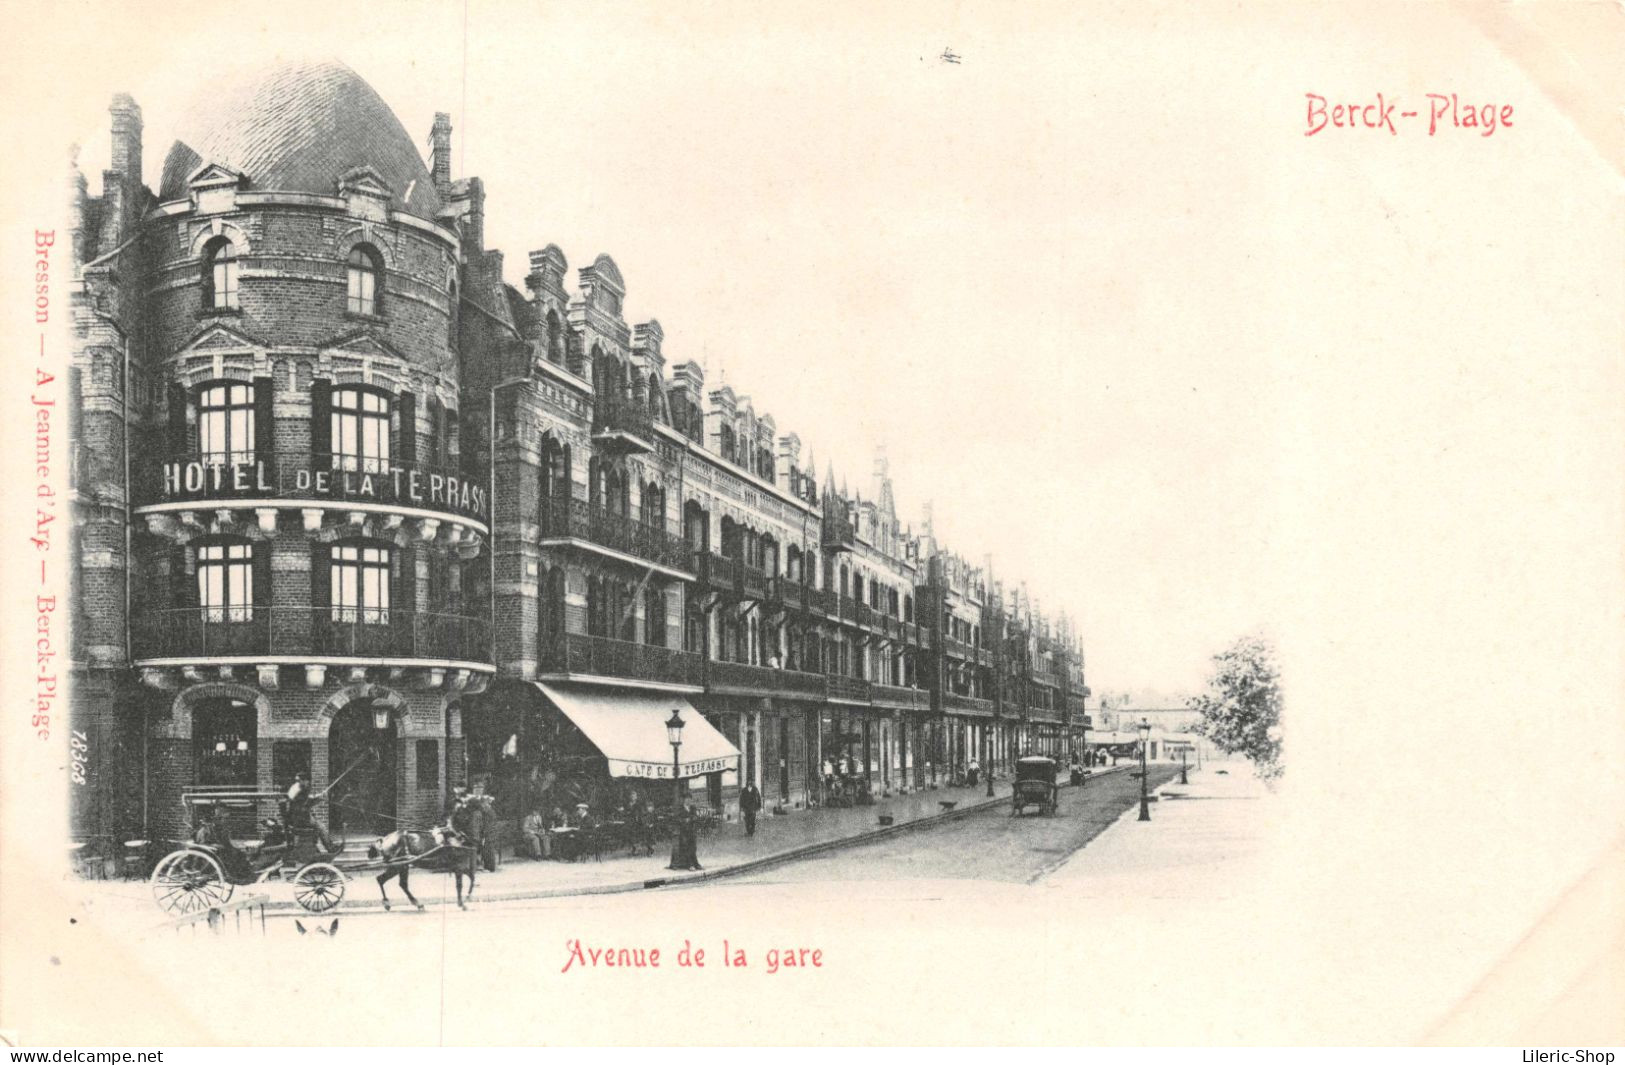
(680,880)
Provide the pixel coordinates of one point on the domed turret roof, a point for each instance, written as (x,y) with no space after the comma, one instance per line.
(298,128)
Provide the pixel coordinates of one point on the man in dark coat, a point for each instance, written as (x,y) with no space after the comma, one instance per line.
(750,804)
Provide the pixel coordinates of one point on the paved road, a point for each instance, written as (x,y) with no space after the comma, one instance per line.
(988,845)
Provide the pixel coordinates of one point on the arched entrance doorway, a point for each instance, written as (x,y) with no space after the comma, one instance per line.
(361,748)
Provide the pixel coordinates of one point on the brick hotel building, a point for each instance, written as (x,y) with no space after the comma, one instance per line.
(345,502)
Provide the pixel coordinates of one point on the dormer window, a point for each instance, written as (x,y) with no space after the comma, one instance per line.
(220,265)
(362,272)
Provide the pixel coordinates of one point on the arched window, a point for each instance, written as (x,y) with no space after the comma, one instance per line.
(654,616)
(696,526)
(219,274)
(453,310)
(654,506)
(360,583)
(360,430)
(225,423)
(225,581)
(555,339)
(361,271)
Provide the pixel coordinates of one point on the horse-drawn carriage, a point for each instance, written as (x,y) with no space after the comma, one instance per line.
(199,876)
(1036,785)
(202,875)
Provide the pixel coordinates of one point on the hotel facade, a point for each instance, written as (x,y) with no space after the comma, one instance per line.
(347,503)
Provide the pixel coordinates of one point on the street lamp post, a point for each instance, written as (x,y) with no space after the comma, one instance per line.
(1145,740)
(1183,779)
(674,736)
(987,756)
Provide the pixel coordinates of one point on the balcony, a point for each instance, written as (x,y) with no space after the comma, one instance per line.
(864,615)
(740,677)
(307,479)
(953,702)
(837,532)
(578,654)
(622,425)
(848,689)
(195,633)
(984,656)
(897,696)
(752,582)
(715,571)
(576,519)
(848,609)
(790,592)
(824,601)
(958,648)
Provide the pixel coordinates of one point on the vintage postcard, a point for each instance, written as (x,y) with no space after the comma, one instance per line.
(919,523)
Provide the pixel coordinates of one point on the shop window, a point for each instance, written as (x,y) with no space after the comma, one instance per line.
(361,273)
(428,759)
(225,581)
(360,584)
(225,422)
(223,735)
(220,265)
(360,428)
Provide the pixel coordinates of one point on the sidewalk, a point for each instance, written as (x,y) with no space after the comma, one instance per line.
(1206,840)
(725,850)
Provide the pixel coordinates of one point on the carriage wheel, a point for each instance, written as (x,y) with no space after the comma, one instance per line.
(189,881)
(318,887)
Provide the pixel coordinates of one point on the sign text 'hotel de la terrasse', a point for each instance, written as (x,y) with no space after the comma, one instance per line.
(396,485)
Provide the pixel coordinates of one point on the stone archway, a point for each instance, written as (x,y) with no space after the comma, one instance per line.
(363,759)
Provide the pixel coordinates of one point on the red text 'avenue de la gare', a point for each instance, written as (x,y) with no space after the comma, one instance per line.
(580,955)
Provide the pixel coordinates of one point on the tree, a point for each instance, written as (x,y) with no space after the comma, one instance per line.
(1241,709)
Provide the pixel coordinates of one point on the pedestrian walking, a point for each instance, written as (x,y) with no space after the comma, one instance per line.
(974,772)
(685,855)
(750,804)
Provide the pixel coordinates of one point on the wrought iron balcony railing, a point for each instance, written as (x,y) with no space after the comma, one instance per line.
(768,680)
(581,520)
(899,696)
(967,703)
(574,652)
(790,592)
(824,601)
(204,477)
(849,688)
(320,632)
(752,581)
(622,416)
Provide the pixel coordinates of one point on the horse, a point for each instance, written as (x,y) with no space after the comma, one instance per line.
(402,849)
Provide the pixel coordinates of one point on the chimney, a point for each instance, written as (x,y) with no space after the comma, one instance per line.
(126,161)
(440,152)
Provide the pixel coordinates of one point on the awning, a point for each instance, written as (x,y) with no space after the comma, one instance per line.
(629,728)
